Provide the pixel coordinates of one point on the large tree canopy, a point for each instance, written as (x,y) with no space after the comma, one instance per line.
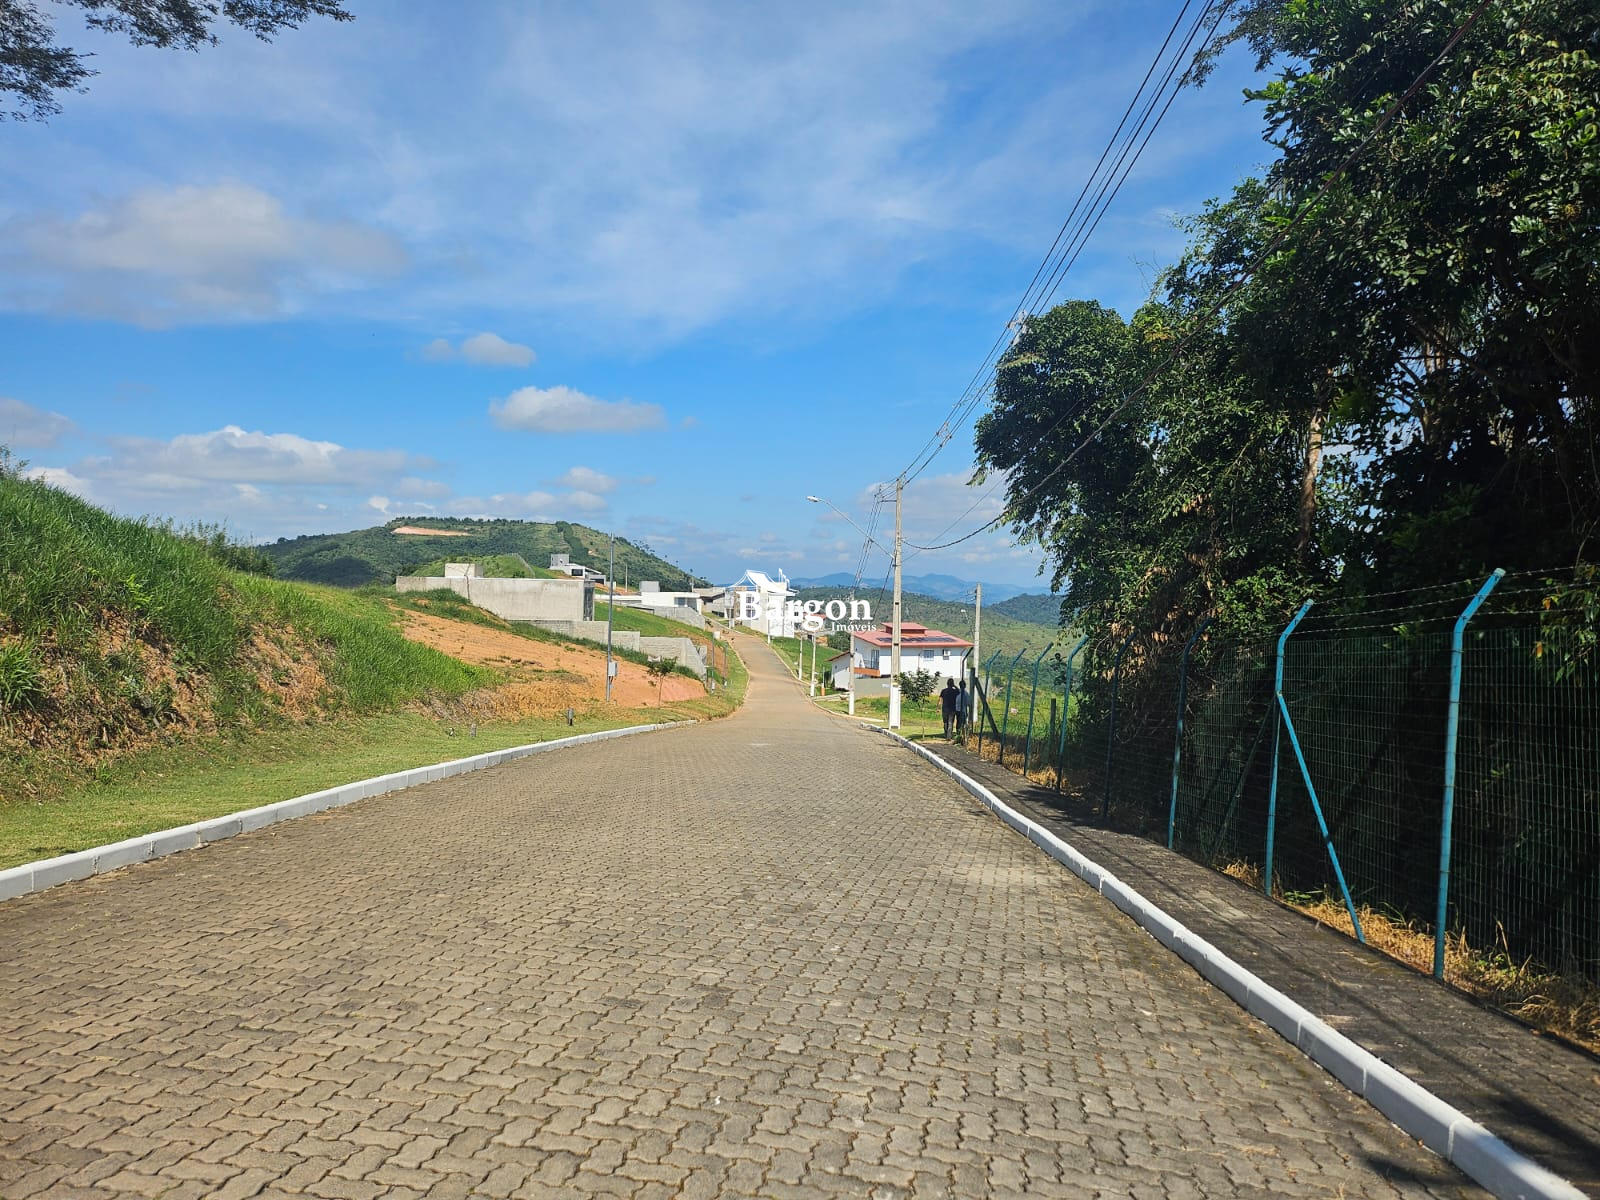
(1377,366)
(34,67)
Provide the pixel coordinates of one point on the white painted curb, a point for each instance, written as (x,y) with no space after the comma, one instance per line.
(36,876)
(1445,1130)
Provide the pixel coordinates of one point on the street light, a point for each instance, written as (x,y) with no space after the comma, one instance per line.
(894,628)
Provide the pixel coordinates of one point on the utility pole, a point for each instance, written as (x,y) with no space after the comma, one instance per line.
(611,607)
(972,667)
(894,633)
(852,664)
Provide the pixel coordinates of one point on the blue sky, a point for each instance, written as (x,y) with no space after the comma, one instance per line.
(660,269)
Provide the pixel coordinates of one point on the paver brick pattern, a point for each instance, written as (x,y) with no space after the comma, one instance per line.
(770,956)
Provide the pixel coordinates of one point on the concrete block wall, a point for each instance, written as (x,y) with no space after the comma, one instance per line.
(537,600)
(682,649)
(592,631)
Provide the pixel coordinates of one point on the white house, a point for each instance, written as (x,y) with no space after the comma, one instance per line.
(651,596)
(921,649)
(761,602)
(564,564)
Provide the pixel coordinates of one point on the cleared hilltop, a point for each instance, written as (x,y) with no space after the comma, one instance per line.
(378,554)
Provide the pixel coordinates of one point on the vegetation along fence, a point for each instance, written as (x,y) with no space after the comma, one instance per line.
(1438,759)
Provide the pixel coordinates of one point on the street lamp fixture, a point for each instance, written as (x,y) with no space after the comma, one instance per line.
(894,628)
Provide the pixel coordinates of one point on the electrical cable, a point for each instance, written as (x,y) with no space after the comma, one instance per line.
(1076,221)
(1244,277)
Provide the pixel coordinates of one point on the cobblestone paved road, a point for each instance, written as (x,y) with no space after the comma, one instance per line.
(770,956)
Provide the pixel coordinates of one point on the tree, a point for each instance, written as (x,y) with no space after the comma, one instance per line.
(1376,367)
(917,686)
(1161,490)
(1454,234)
(34,67)
(659,669)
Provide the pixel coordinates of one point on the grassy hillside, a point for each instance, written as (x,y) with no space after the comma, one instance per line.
(1035,609)
(117,636)
(1000,631)
(378,554)
(494,566)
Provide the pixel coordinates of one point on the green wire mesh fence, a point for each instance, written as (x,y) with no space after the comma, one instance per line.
(1367,697)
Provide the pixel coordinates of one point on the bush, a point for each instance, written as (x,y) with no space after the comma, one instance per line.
(917,686)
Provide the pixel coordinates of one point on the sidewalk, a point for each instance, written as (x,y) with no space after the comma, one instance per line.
(1537,1094)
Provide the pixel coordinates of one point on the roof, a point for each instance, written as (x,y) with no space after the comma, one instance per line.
(763,582)
(914,637)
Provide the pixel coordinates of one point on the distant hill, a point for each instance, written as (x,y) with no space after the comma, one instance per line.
(1038,610)
(939,587)
(1001,631)
(378,554)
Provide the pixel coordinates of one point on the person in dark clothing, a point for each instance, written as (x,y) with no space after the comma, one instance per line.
(947,704)
(963,705)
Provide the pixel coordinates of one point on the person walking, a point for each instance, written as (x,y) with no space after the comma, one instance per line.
(963,702)
(947,705)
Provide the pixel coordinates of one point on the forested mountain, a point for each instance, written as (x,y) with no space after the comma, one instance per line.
(1001,631)
(378,554)
(1035,609)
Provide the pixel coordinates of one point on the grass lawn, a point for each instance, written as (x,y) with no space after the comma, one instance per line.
(789,649)
(916,720)
(647,622)
(163,788)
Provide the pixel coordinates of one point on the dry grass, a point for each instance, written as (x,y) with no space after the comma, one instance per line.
(1566,1007)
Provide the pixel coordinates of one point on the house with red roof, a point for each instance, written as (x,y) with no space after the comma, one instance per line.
(921,649)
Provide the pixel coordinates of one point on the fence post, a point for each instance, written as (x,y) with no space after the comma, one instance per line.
(1311,788)
(1005,717)
(1066,704)
(986,710)
(1177,738)
(1277,730)
(1033,699)
(1452,729)
(1111,729)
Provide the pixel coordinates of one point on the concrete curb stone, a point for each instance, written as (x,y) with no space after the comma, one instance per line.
(1444,1129)
(33,877)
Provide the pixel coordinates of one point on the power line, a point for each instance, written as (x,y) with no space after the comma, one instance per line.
(1245,276)
(1080,221)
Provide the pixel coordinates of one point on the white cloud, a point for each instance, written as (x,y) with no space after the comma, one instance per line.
(586,479)
(752,160)
(431,489)
(188,254)
(563,410)
(938,508)
(235,455)
(481,349)
(538,505)
(62,478)
(24,425)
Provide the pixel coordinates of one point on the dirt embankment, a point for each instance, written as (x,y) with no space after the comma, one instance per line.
(545,677)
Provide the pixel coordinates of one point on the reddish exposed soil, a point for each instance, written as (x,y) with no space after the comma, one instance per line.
(546,676)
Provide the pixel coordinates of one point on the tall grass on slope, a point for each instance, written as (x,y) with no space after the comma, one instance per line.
(116,635)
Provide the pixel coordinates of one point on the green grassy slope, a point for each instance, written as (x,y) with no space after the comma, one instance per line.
(1001,631)
(378,554)
(1036,609)
(118,635)
(493,566)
